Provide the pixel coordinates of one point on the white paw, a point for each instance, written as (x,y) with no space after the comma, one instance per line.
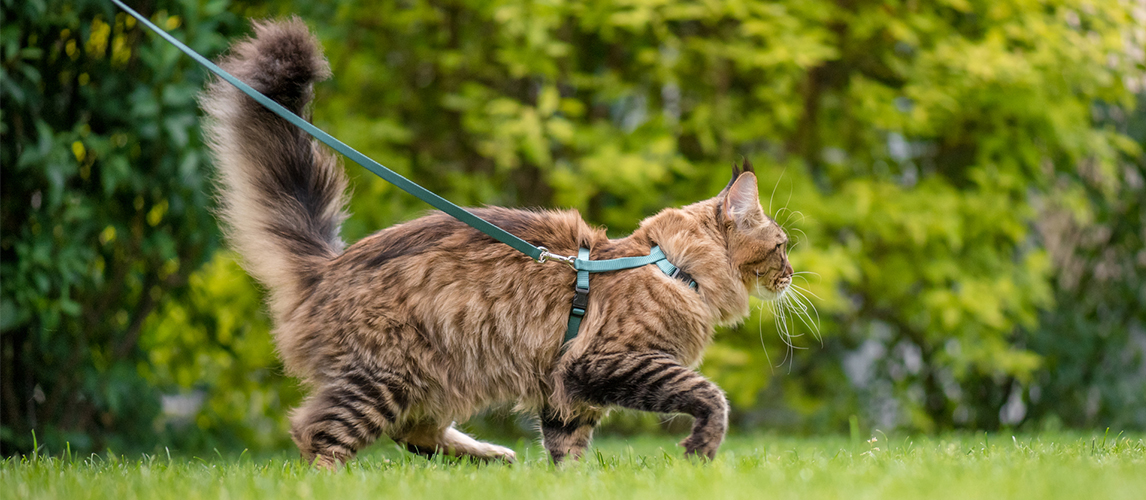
(496,452)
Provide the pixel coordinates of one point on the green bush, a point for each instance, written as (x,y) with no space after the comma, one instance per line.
(105,210)
(1094,341)
(916,150)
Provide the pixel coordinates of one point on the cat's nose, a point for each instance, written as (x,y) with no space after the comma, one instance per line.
(787,268)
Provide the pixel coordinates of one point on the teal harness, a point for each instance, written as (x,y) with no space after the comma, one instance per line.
(584,266)
(581,263)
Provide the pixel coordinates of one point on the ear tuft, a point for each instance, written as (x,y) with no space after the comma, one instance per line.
(735,173)
(748,166)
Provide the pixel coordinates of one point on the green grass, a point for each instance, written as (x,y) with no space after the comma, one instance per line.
(958,467)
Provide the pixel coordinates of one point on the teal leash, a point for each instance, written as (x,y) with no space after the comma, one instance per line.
(581,263)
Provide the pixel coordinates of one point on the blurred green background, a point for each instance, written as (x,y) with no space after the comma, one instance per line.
(965,180)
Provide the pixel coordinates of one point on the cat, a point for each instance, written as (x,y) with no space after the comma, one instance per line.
(424,324)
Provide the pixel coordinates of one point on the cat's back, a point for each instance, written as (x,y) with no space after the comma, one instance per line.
(451,281)
(436,237)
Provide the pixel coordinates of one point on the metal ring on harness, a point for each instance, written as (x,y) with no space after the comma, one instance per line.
(546,255)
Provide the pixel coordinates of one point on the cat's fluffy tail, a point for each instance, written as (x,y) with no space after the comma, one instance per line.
(281,193)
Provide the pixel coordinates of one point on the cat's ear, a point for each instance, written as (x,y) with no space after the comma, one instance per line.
(735,174)
(741,202)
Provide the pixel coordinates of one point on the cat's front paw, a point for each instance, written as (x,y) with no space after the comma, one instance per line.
(701,446)
(707,434)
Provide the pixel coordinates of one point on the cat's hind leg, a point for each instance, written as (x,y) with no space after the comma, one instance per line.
(567,437)
(428,440)
(347,414)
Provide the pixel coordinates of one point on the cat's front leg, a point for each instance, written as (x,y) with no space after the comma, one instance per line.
(653,381)
(567,436)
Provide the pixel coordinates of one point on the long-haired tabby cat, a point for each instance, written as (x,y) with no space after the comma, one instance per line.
(425,323)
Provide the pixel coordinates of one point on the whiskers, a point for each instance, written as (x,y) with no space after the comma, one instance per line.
(803,275)
(792,311)
(760,331)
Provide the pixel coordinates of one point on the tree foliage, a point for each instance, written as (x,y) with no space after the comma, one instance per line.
(915,149)
(1094,341)
(104,210)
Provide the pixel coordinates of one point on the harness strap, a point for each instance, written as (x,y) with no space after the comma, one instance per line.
(580,298)
(600,266)
(585,266)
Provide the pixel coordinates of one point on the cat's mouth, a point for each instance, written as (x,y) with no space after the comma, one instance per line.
(771,288)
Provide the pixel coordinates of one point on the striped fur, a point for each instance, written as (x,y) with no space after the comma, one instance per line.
(427,322)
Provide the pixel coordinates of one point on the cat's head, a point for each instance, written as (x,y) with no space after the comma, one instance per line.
(757,245)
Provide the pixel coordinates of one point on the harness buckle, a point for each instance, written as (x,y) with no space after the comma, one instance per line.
(580,300)
(685,277)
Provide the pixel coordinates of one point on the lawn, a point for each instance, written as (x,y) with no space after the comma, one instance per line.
(1074,466)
